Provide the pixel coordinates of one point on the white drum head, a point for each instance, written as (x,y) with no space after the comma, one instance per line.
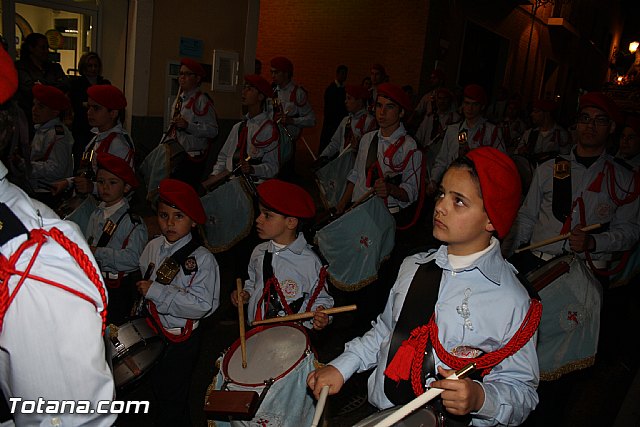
(423,417)
(271,353)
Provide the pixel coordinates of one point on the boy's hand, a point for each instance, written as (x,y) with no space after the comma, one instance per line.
(327,375)
(381,189)
(143,286)
(83,185)
(244,295)
(580,241)
(59,186)
(459,397)
(320,320)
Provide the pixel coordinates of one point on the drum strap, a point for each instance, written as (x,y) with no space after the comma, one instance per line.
(276,301)
(372,156)
(418,305)
(562,193)
(109,230)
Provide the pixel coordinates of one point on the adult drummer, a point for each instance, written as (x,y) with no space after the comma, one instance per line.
(51,322)
(104,108)
(567,193)
(388,160)
(252,144)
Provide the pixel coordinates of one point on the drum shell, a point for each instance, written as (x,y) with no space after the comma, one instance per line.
(81,210)
(423,417)
(332,177)
(138,342)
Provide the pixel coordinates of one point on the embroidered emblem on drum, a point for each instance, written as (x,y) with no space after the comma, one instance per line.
(603,211)
(289,288)
(267,419)
(463,310)
(332,184)
(212,219)
(364,241)
(573,317)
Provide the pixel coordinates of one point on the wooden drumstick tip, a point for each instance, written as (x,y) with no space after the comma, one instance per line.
(243,343)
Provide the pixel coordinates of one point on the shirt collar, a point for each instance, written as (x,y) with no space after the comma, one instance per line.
(3,170)
(490,264)
(401,131)
(297,246)
(173,247)
(45,126)
(108,211)
(101,135)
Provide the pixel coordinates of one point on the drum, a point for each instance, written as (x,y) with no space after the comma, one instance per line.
(423,417)
(355,244)
(332,177)
(158,165)
(281,353)
(230,214)
(78,209)
(134,347)
(570,324)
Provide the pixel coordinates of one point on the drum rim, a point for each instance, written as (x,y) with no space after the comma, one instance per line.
(236,344)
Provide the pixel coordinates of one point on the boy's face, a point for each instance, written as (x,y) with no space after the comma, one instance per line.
(388,113)
(100,116)
(353,104)
(471,108)
(459,218)
(251,96)
(594,127)
(273,226)
(41,113)
(111,189)
(174,223)
(187,79)
(629,143)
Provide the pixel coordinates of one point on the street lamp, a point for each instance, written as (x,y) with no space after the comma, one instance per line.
(633,46)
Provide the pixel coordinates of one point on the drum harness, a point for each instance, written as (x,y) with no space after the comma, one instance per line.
(241,150)
(10,227)
(562,209)
(410,359)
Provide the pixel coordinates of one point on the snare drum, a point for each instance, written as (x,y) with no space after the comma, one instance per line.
(159,164)
(423,417)
(230,214)
(332,177)
(570,324)
(281,353)
(78,209)
(356,243)
(135,347)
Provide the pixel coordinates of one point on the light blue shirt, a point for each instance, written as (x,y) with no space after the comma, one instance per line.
(114,257)
(297,269)
(188,296)
(510,388)
(58,164)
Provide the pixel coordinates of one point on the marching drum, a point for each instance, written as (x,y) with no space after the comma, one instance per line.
(332,177)
(355,244)
(570,324)
(78,209)
(279,358)
(423,417)
(134,347)
(159,164)
(230,214)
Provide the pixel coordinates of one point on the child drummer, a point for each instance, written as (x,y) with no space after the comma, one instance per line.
(116,235)
(285,275)
(183,289)
(477,203)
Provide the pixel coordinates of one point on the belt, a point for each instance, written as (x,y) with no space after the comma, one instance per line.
(394,209)
(112,276)
(178,331)
(195,153)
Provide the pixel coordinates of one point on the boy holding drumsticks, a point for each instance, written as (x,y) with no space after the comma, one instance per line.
(477,202)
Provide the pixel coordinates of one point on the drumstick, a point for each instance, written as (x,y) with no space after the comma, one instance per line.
(243,342)
(423,399)
(366,196)
(320,406)
(137,306)
(307,315)
(555,239)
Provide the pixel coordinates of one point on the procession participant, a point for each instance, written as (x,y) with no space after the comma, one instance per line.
(255,138)
(378,76)
(182,290)
(629,147)
(51,288)
(334,106)
(285,275)
(512,125)
(116,235)
(456,322)
(547,138)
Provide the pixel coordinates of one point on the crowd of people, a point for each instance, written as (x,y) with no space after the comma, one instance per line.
(501,181)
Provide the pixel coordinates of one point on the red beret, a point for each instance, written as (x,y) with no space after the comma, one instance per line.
(633,121)
(438,74)
(52,97)
(260,83)
(180,195)
(546,105)
(396,94)
(8,77)
(475,92)
(281,63)
(118,167)
(194,66)
(108,96)
(380,68)
(357,91)
(286,198)
(500,185)
(603,102)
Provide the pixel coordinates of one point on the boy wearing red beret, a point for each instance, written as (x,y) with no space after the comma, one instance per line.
(547,138)
(285,275)
(255,138)
(52,144)
(424,331)
(629,148)
(182,289)
(116,235)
